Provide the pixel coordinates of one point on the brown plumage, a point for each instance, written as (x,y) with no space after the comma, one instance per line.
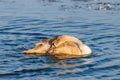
(60,45)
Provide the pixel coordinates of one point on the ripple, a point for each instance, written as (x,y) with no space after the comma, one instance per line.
(24,71)
(20,33)
(96,23)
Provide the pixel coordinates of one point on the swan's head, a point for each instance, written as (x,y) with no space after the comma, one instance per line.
(85,50)
(41,47)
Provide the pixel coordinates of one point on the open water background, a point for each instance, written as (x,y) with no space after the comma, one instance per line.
(24,22)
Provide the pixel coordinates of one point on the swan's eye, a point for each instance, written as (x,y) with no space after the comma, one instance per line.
(53,45)
(40,44)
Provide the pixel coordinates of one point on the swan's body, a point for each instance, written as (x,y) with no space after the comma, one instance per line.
(61,45)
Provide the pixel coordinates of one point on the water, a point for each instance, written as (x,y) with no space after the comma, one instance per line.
(24,22)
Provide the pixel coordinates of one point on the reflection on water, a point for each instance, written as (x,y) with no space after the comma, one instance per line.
(24,22)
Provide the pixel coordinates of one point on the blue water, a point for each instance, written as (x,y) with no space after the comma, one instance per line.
(24,22)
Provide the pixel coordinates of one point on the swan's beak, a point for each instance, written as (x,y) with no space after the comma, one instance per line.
(31,51)
(36,51)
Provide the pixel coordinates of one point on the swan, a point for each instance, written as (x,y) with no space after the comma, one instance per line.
(61,45)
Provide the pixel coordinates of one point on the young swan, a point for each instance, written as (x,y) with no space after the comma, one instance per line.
(61,45)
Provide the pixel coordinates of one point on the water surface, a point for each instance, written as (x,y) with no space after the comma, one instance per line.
(24,22)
